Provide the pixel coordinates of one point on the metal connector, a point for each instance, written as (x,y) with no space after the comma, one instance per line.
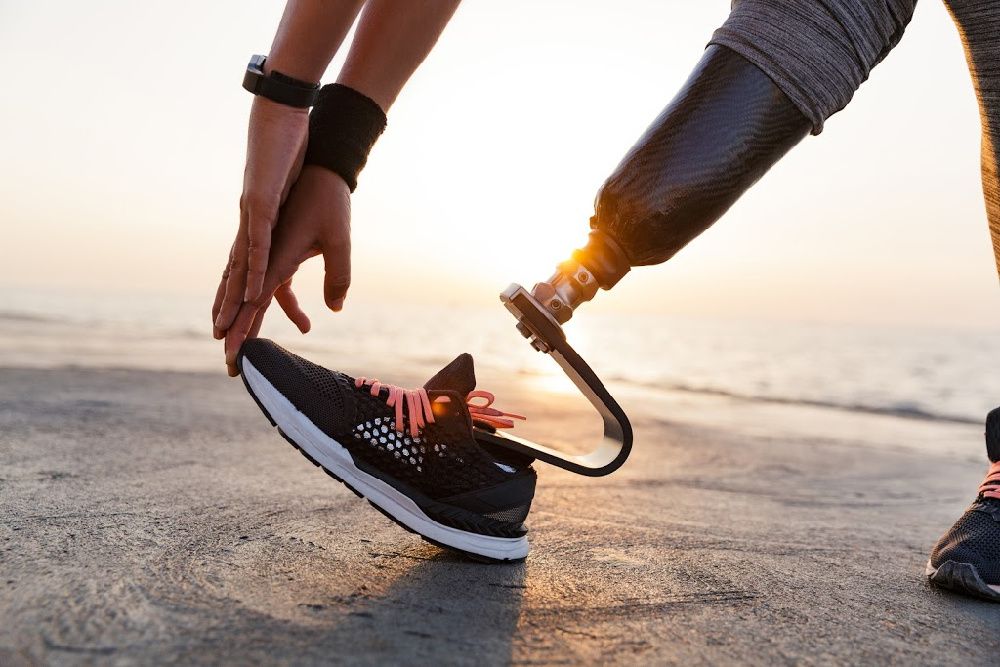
(599,264)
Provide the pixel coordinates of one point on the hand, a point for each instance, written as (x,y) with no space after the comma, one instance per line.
(315,220)
(276,146)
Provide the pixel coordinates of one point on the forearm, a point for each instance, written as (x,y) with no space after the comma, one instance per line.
(391,41)
(309,35)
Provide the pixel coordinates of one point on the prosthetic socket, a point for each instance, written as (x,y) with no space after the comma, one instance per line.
(721,133)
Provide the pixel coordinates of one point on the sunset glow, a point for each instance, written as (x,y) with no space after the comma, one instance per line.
(489,168)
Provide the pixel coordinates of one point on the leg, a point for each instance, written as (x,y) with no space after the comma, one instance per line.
(786,66)
(978,24)
(967,557)
(774,71)
(721,133)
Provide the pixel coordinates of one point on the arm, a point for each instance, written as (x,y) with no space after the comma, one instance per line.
(391,41)
(308,36)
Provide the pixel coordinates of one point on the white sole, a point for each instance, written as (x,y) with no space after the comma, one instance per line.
(337,460)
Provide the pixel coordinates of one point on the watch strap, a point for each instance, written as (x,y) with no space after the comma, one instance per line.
(279,87)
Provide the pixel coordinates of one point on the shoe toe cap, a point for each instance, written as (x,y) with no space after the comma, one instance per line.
(974,539)
(317,392)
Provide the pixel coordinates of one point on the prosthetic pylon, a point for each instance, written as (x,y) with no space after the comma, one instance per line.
(540,315)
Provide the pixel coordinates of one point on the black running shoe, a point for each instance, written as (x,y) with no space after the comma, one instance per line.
(411,453)
(967,558)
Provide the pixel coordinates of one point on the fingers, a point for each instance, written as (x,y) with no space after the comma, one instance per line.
(290,304)
(261,216)
(245,325)
(315,219)
(258,321)
(220,294)
(337,262)
(235,282)
(250,316)
(275,144)
(291,247)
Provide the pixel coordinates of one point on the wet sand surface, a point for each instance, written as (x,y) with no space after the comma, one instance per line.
(157,518)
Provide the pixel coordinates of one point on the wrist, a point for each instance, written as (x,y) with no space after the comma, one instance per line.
(343,127)
(286,64)
(371,88)
(261,106)
(269,82)
(328,180)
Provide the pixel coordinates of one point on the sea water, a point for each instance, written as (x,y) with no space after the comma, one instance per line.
(934,374)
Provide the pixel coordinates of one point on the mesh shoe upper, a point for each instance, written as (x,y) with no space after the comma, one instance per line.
(975,539)
(443,463)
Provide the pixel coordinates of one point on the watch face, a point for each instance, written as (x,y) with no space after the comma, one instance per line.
(257,63)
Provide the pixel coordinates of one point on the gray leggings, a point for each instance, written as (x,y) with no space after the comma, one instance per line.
(818,52)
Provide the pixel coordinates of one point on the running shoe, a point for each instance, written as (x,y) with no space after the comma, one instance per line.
(967,558)
(412,453)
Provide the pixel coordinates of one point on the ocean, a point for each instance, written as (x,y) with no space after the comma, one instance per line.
(929,374)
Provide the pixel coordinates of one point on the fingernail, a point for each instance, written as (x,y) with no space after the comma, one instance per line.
(337,305)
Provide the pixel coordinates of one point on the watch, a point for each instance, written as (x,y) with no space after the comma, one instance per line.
(279,87)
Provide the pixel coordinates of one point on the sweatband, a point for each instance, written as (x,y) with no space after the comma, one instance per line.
(343,127)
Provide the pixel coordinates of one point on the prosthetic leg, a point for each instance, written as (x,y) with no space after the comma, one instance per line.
(724,130)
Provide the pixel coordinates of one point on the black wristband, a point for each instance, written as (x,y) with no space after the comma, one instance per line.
(343,127)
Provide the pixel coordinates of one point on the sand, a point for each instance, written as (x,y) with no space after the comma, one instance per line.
(156,517)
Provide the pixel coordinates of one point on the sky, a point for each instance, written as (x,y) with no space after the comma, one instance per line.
(123,127)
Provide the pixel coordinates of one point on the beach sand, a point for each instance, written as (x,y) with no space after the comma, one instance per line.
(153,517)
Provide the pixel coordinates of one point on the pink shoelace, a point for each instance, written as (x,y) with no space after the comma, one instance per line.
(990,488)
(421,413)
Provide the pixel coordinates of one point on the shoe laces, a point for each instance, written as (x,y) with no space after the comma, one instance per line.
(489,415)
(420,410)
(990,488)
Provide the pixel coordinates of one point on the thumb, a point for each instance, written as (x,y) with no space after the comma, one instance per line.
(337,262)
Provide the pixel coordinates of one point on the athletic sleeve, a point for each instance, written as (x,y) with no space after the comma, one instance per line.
(818,52)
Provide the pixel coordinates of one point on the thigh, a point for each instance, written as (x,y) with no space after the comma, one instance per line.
(978,23)
(817,51)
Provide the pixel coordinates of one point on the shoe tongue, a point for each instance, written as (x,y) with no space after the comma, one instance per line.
(458,376)
(993,435)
